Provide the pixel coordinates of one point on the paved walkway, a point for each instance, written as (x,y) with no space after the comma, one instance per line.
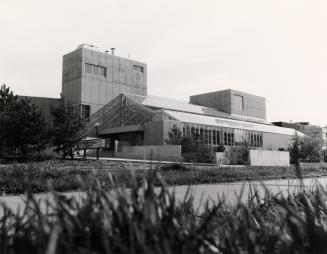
(202,193)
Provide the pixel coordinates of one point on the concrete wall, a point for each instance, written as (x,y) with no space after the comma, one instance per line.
(272,141)
(71,76)
(220,100)
(83,88)
(153,133)
(156,132)
(220,158)
(253,106)
(160,153)
(269,158)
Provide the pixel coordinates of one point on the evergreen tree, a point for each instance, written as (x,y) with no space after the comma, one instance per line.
(67,127)
(30,131)
(7,101)
(22,125)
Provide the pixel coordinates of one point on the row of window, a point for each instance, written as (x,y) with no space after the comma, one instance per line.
(213,136)
(95,70)
(102,71)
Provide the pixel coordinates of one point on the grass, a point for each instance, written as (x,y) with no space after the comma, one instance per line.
(75,175)
(141,220)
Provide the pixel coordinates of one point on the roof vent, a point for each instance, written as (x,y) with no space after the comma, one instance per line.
(86,45)
(113,51)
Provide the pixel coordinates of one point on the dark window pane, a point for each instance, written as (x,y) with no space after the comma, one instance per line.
(88,68)
(86,113)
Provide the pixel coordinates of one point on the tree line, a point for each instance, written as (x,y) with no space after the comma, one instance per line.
(25,132)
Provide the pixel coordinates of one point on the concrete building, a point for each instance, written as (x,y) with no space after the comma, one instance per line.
(233,102)
(111,92)
(91,78)
(147,120)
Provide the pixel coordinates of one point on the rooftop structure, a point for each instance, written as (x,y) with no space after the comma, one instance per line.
(233,102)
(92,78)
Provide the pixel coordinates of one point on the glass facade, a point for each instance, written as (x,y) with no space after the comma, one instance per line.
(214,136)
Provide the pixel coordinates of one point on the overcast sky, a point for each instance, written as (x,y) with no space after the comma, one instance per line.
(276,49)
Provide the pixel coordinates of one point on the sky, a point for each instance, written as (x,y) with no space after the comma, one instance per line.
(272,48)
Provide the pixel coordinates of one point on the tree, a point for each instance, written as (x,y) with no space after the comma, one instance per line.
(30,131)
(305,148)
(67,127)
(7,100)
(311,147)
(175,136)
(22,125)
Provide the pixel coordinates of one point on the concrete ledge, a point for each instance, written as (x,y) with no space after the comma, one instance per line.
(159,153)
(269,158)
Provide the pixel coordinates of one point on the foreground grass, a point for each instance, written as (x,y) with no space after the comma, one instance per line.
(142,220)
(75,175)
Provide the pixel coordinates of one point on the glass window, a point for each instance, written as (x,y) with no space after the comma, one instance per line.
(205,136)
(218,138)
(86,112)
(225,138)
(210,135)
(95,70)
(102,71)
(88,68)
(251,139)
(214,137)
(138,68)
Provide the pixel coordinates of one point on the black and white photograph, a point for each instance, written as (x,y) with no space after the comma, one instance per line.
(163,127)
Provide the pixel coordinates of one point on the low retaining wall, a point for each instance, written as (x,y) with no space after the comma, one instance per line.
(315,165)
(158,153)
(269,158)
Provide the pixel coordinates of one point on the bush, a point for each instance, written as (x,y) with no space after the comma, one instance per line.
(238,155)
(189,145)
(219,149)
(174,167)
(203,155)
(307,148)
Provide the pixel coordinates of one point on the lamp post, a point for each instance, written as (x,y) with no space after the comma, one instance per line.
(96,125)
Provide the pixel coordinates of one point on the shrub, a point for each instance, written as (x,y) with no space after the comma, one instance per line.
(238,155)
(219,149)
(203,155)
(307,148)
(174,167)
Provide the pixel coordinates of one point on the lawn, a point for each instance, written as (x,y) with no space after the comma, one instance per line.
(142,220)
(67,175)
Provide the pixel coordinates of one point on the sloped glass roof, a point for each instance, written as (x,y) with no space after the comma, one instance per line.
(171,104)
(228,123)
